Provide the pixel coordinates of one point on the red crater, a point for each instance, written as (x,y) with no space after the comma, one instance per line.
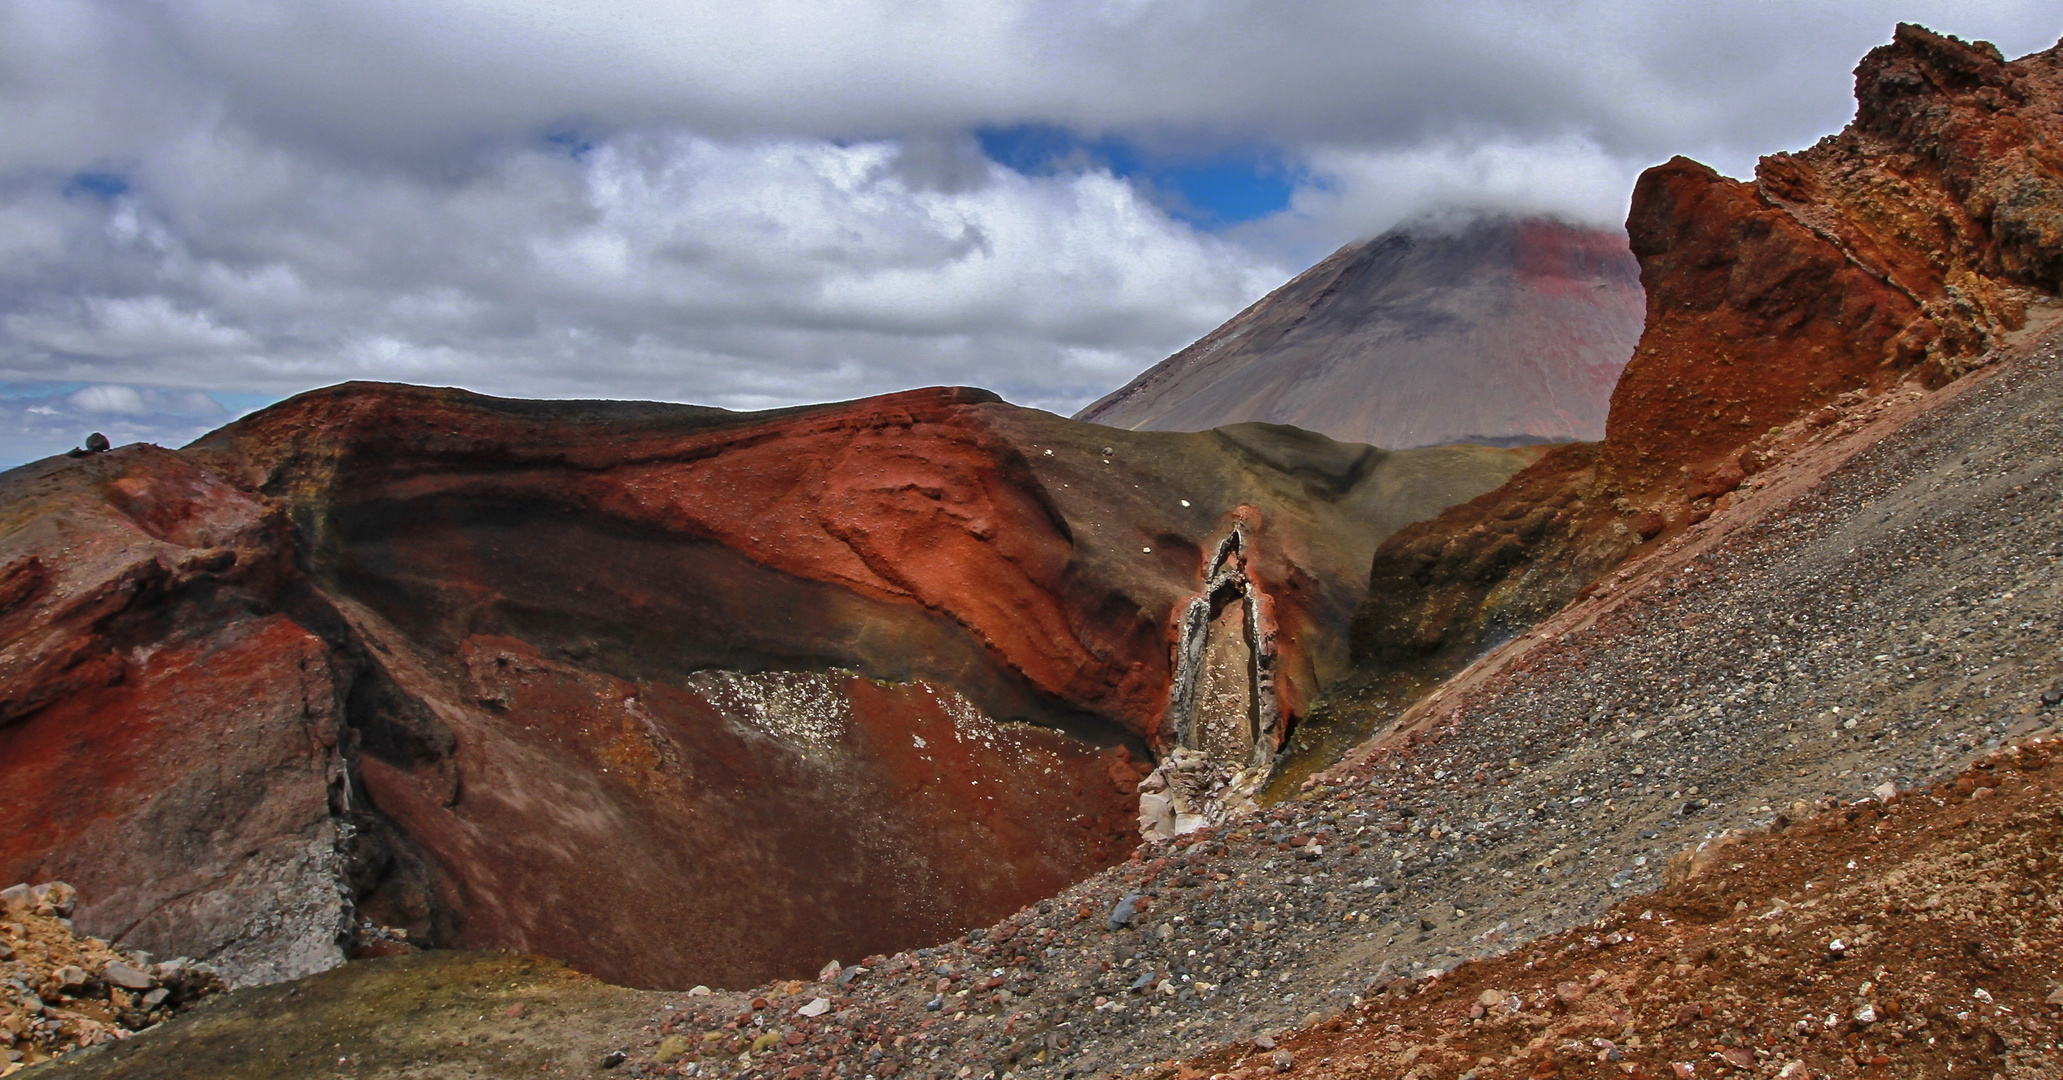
(679,695)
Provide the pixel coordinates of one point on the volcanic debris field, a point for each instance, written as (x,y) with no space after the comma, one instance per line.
(1811,654)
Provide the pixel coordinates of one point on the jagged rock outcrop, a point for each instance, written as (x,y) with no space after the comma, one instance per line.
(168,735)
(676,694)
(1491,329)
(1903,248)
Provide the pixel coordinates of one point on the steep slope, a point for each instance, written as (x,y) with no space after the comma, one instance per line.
(1490,329)
(1903,250)
(779,686)
(1910,937)
(1696,697)
(169,737)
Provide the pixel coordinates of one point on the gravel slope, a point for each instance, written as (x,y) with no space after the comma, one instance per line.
(1918,937)
(1904,572)
(1901,566)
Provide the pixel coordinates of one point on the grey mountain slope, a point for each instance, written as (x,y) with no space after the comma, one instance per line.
(1501,330)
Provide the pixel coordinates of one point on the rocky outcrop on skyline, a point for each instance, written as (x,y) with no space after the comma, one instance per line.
(1482,329)
(387,662)
(1904,248)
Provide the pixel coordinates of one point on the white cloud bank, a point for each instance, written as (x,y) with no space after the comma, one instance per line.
(751,204)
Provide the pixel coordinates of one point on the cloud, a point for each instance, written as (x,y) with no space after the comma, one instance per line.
(107,399)
(1353,193)
(652,263)
(36,422)
(423,79)
(752,204)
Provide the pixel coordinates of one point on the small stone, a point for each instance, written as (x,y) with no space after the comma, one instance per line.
(156,998)
(698,990)
(1121,914)
(514,1012)
(97,443)
(614,1058)
(15,901)
(55,898)
(829,971)
(71,976)
(1885,792)
(2052,697)
(1490,999)
(2055,995)
(817,1007)
(1570,992)
(124,976)
(1283,1060)
(1263,1042)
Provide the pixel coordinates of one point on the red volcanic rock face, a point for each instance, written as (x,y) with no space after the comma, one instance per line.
(1905,247)
(675,694)
(1505,330)
(177,771)
(1741,292)
(843,816)
(1904,243)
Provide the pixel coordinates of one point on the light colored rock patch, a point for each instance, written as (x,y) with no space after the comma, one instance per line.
(1188,791)
(806,709)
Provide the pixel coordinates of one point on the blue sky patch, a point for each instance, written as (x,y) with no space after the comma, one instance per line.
(100,185)
(1211,191)
(570,143)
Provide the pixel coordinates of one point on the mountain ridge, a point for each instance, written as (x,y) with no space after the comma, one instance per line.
(1495,328)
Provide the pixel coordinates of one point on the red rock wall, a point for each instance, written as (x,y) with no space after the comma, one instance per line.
(675,694)
(1902,248)
(166,744)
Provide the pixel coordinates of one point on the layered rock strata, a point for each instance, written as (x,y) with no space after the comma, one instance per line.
(676,694)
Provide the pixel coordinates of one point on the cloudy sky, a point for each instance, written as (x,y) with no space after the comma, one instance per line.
(208,205)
